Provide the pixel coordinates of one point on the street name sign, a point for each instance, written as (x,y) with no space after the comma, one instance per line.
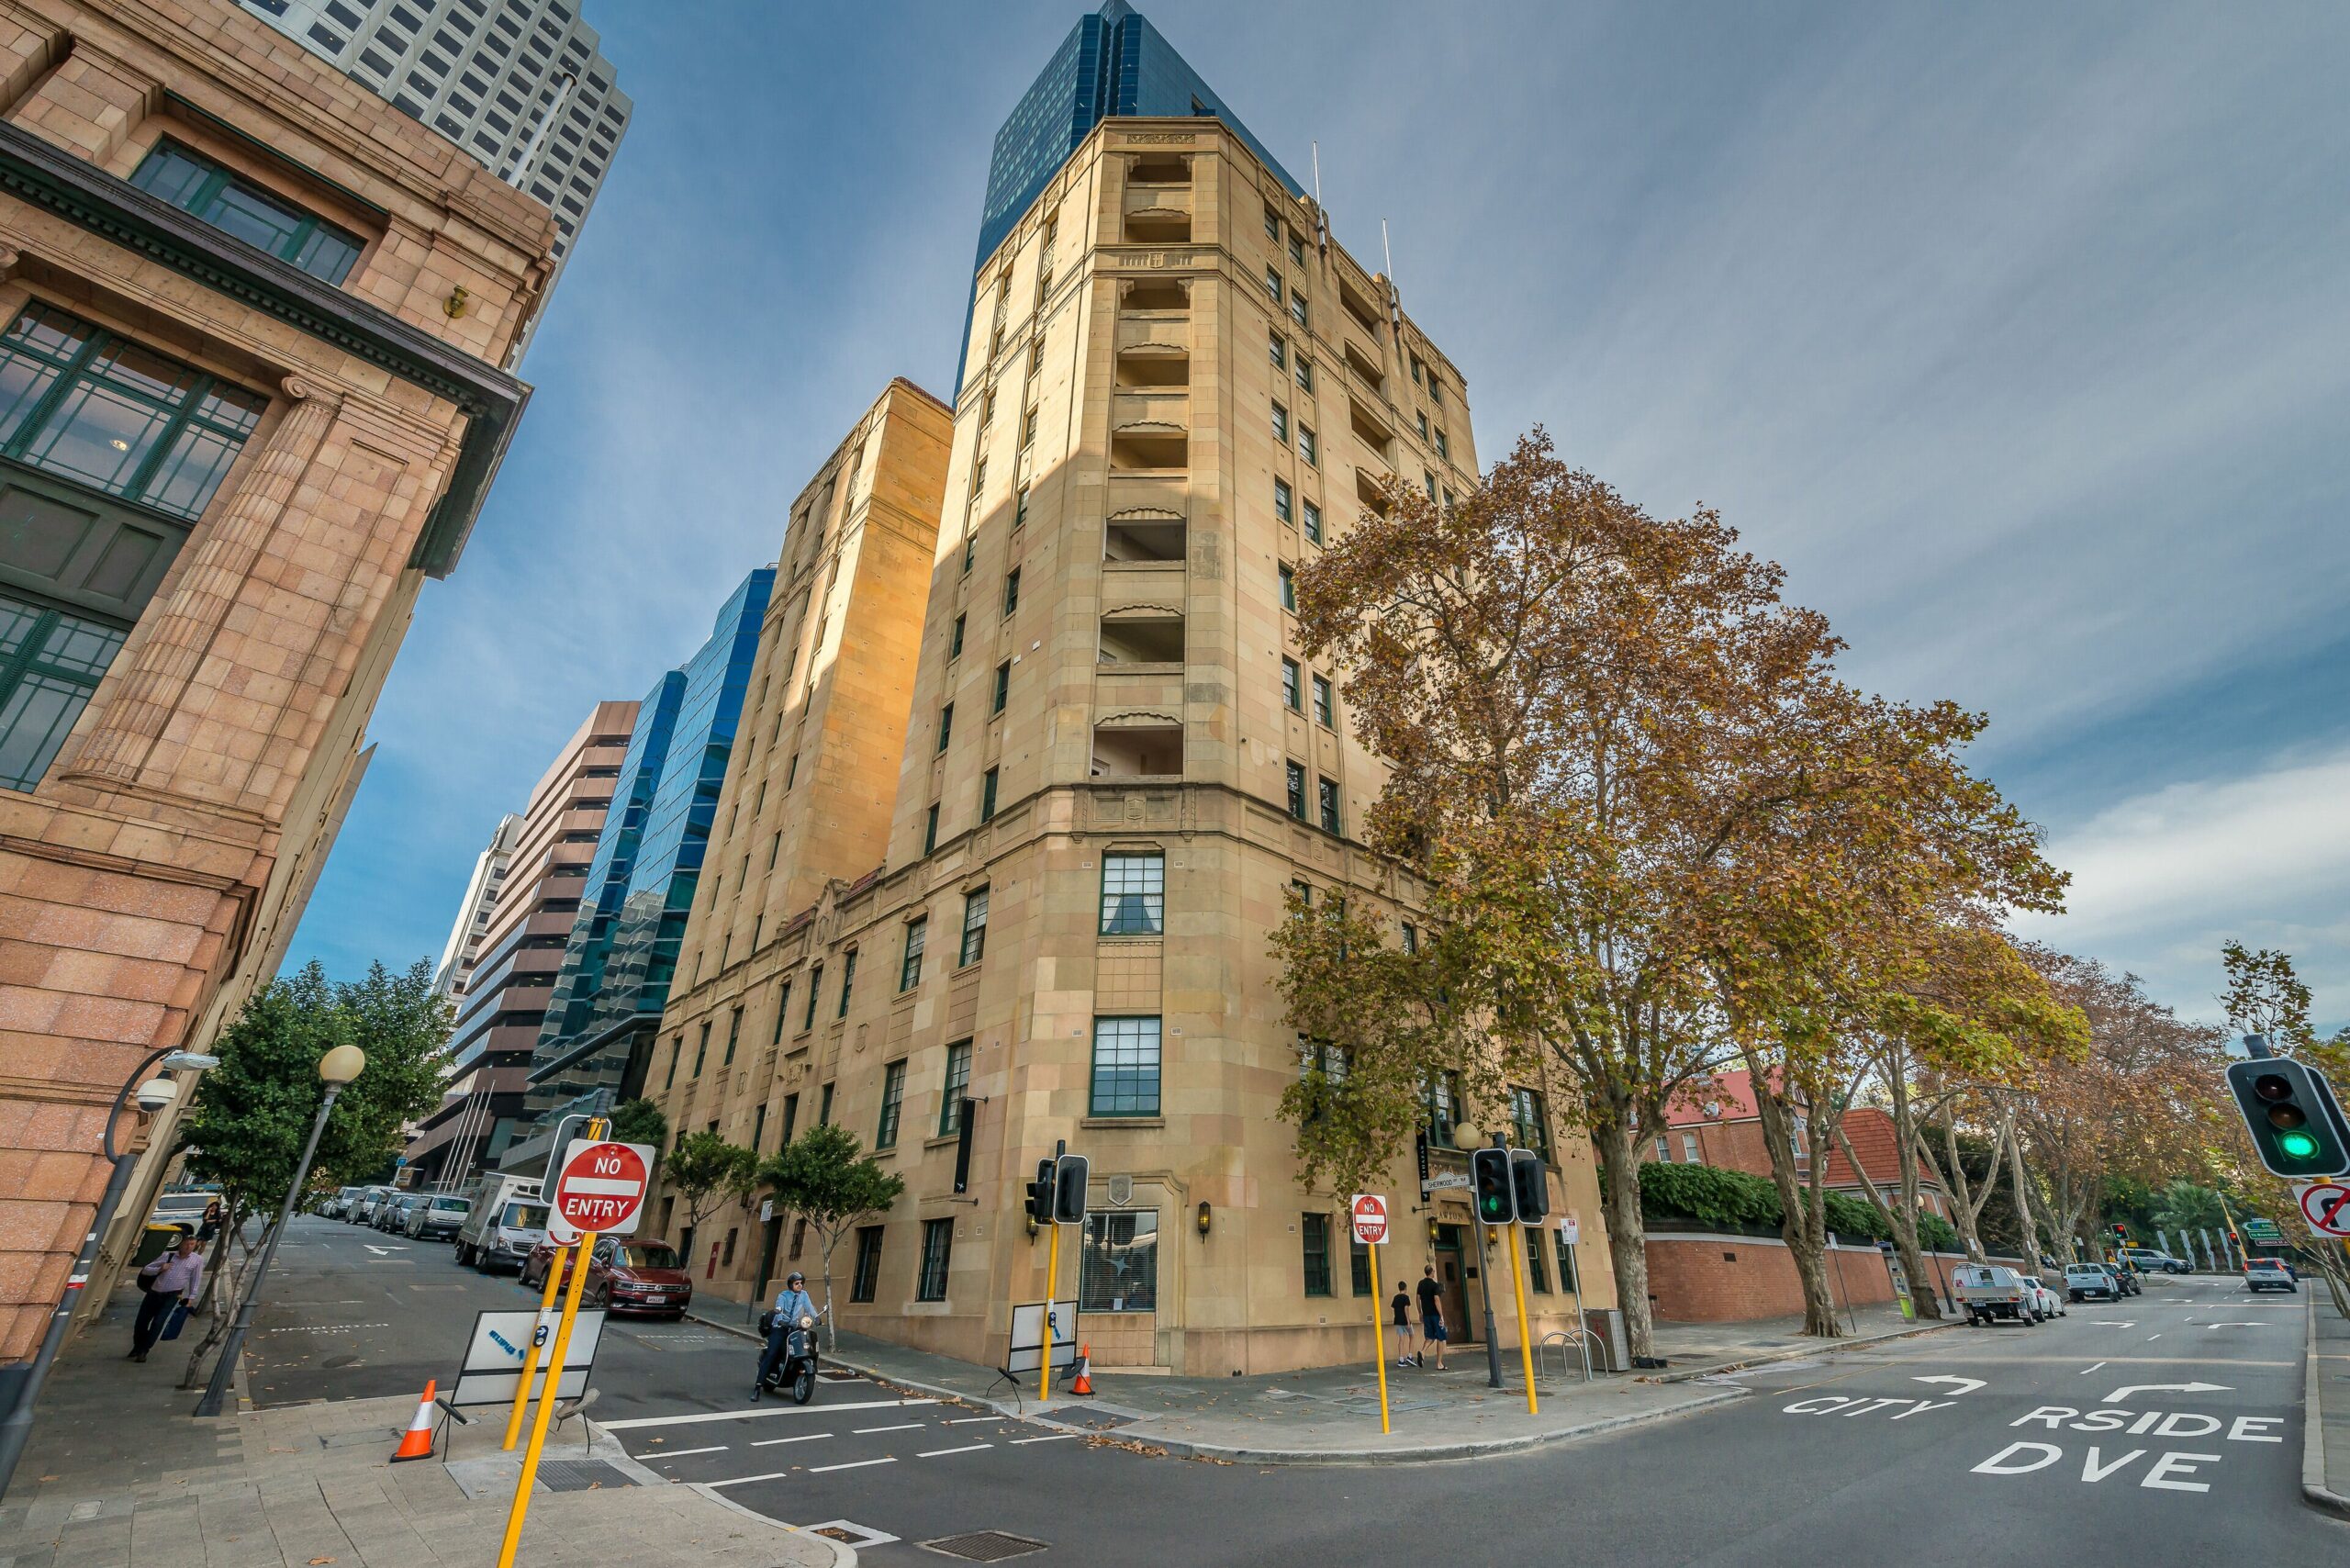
(601,1188)
(1446,1180)
(1370,1211)
(2326,1206)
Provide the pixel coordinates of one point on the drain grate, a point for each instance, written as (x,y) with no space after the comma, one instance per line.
(985,1546)
(582,1474)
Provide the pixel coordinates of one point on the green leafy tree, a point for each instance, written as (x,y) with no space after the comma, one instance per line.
(639,1120)
(825,1177)
(709,1173)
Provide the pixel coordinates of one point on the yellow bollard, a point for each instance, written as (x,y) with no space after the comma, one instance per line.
(1525,1340)
(529,1475)
(1378,1337)
(530,1352)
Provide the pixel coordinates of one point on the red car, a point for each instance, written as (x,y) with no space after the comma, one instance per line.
(623,1276)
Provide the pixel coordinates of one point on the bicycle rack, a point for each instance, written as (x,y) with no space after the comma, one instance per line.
(1559,1340)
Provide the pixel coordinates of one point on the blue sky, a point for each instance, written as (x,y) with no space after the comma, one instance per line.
(2016,331)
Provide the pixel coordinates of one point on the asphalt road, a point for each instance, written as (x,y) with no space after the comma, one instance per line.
(1968,1446)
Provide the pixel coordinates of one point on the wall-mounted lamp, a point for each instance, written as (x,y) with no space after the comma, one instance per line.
(1032,1227)
(1203,1216)
(455,306)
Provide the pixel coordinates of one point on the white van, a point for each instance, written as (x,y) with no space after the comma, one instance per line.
(505,1222)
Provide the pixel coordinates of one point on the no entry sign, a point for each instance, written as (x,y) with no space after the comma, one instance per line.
(2326,1206)
(601,1188)
(1370,1212)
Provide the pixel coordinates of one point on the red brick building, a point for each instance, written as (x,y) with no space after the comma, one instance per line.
(1718,1124)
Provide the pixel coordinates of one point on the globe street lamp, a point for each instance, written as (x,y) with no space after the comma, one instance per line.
(151,1096)
(337,1066)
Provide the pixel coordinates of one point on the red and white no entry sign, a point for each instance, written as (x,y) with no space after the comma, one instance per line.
(2326,1206)
(1370,1212)
(601,1187)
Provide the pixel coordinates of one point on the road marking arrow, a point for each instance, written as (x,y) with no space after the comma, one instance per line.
(2109,1323)
(2236,1325)
(1956,1384)
(2119,1394)
(382,1251)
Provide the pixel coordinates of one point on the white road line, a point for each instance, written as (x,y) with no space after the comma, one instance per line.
(818,1437)
(941,1453)
(970,1420)
(2085,1371)
(680,1454)
(640,1421)
(901,1427)
(747,1480)
(852,1464)
(2151,1337)
(1048,1437)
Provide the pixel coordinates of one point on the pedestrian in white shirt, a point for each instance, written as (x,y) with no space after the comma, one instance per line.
(177,1275)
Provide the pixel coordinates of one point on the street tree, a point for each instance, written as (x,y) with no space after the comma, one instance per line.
(824,1178)
(639,1120)
(709,1173)
(251,1114)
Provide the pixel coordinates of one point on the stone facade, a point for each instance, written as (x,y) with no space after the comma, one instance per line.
(1112,778)
(153,872)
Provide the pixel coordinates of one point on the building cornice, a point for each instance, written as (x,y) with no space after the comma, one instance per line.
(47,177)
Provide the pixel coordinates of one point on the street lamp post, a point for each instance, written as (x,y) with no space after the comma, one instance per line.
(337,1066)
(154,1096)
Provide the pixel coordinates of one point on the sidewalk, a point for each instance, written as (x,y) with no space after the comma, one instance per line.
(2325,1410)
(1330,1415)
(119,1474)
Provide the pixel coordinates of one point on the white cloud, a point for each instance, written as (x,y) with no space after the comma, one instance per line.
(2160,880)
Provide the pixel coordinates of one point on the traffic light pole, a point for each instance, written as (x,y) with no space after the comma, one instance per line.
(1485,1278)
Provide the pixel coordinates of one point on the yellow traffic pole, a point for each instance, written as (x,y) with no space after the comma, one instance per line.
(529,1475)
(530,1352)
(1525,1340)
(1378,1337)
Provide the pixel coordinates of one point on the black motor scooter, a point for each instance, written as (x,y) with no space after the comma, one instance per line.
(795,1371)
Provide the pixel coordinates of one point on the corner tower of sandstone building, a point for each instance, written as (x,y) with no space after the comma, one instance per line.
(811,786)
(232,451)
(1118,763)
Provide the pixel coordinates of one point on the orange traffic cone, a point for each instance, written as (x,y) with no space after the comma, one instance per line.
(417,1441)
(1083,1383)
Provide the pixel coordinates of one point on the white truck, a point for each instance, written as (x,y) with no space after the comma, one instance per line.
(505,1221)
(1989,1292)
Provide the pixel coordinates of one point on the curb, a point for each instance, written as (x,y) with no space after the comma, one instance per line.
(1180,1449)
(1796,1352)
(2315,1491)
(844,1555)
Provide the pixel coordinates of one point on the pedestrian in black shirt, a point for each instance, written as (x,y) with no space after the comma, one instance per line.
(1402,1308)
(1432,1330)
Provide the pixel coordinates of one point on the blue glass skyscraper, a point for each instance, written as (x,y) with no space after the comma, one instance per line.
(623,946)
(1113,62)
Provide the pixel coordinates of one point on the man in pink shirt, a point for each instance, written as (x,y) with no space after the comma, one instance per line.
(177,1275)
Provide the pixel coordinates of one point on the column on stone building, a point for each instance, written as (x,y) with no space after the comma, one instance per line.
(178,635)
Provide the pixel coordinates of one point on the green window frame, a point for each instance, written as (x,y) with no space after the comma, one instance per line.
(701,1049)
(1529,1120)
(893,1100)
(937,1256)
(1011,592)
(1127,1067)
(1443,1106)
(1296,780)
(733,1035)
(866,1279)
(958,1083)
(782,1011)
(815,989)
(676,1052)
(1282,508)
(930,828)
(1313,524)
(975,927)
(988,781)
(1567,1281)
(848,981)
(1289,587)
(955,641)
(946,725)
(246,211)
(1326,796)
(1002,687)
(910,966)
(1133,894)
(111,414)
(1538,1274)
(1325,710)
(1358,1264)
(1293,694)
(1315,1240)
(50,664)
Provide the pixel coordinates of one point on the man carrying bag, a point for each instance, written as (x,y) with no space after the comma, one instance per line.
(171,1282)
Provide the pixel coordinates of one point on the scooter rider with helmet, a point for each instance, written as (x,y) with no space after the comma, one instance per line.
(792,1303)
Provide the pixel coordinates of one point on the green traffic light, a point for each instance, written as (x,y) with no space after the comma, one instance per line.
(2301,1145)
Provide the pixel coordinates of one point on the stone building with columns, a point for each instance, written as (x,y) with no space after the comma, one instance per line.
(250,400)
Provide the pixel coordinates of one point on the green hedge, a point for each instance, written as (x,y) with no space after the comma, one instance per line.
(1732,1200)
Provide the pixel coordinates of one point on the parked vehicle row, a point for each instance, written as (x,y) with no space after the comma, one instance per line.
(1990,1293)
(645,1277)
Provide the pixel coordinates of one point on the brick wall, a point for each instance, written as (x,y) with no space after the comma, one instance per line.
(1712,1278)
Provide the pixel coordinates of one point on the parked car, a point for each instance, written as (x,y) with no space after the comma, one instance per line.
(338,1202)
(1988,1292)
(2045,1302)
(623,1276)
(391,1215)
(2085,1281)
(183,1210)
(492,1238)
(364,1207)
(2147,1259)
(434,1218)
(2268,1275)
(2125,1279)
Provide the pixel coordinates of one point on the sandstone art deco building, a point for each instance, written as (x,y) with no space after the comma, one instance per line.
(1117,764)
(250,400)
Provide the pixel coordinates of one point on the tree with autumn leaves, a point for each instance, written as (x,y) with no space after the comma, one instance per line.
(1654,834)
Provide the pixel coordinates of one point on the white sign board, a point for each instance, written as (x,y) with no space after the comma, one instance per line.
(600,1188)
(2326,1206)
(1370,1212)
(493,1363)
(1569,1229)
(1028,1336)
(1446,1180)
